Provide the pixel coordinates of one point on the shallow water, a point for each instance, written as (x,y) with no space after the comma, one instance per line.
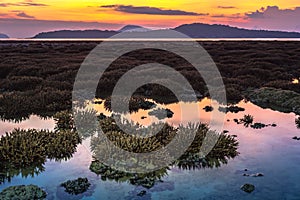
(270,151)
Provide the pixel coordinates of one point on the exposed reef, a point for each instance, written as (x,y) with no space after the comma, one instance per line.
(77,186)
(23,192)
(276,99)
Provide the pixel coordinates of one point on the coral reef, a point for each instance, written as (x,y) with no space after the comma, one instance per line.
(23,192)
(77,186)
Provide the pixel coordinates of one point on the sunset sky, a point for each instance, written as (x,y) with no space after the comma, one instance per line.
(25,18)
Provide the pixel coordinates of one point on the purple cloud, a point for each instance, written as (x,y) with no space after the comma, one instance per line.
(273,18)
(25,4)
(149,10)
(218,16)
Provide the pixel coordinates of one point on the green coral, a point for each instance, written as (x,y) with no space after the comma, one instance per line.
(23,192)
(77,186)
(25,151)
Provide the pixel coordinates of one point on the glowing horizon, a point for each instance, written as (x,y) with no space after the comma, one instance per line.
(156,14)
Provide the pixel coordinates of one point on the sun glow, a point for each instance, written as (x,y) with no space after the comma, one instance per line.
(79,10)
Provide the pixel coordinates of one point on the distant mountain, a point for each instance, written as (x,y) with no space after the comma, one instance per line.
(133,28)
(198,30)
(3,36)
(76,34)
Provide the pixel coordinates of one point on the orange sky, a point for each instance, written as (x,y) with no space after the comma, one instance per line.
(150,13)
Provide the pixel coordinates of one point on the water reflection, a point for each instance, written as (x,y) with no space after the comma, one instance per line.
(25,152)
(258,148)
(226,148)
(34,122)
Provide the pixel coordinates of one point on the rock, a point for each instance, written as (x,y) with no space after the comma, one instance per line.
(77,186)
(248,188)
(146,105)
(98,102)
(236,121)
(258,125)
(143,117)
(246,170)
(257,175)
(246,175)
(273,125)
(296,138)
(162,113)
(234,135)
(232,109)
(23,192)
(208,108)
(142,193)
(225,131)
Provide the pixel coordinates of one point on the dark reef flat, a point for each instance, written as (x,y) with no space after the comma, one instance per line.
(40,75)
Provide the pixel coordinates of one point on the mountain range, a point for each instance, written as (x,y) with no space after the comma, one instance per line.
(3,36)
(195,30)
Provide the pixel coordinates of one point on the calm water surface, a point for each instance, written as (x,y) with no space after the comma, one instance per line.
(270,151)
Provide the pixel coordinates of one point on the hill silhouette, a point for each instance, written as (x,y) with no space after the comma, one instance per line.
(133,28)
(3,35)
(196,30)
(199,30)
(76,34)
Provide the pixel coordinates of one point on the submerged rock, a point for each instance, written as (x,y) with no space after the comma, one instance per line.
(248,188)
(254,175)
(236,121)
(142,193)
(77,186)
(232,109)
(258,125)
(98,102)
(23,192)
(296,138)
(162,113)
(208,108)
(257,175)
